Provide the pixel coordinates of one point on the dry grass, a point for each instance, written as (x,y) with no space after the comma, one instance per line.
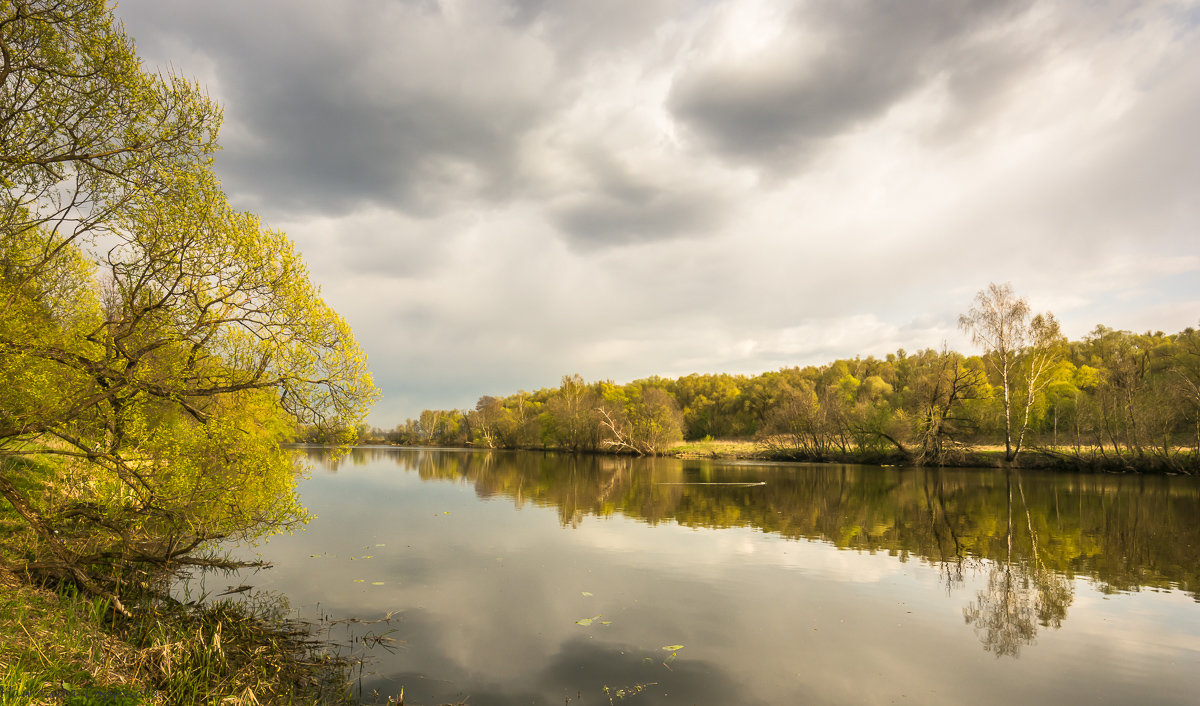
(56,641)
(51,640)
(715,448)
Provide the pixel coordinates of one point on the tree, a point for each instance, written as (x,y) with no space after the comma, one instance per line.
(1019,350)
(640,417)
(796,420)
(571,418)
(487,414)
(657,419)
(940,392)
(82,128)
(1038,362)
(156,347)
(1186,373)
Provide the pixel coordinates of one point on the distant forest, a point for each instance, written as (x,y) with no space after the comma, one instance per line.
(1113,396)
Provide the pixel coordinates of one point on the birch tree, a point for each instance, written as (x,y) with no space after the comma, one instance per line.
(1021,351)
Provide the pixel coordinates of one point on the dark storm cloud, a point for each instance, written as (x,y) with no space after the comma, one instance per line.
(330,153)
(631,201)
(330,107)
(836,66)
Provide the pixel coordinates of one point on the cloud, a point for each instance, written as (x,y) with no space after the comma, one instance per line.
(623,204)
(495,194)
(579,30)
(340,105)
(834,67)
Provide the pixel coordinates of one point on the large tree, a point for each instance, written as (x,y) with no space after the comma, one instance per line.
(156,346)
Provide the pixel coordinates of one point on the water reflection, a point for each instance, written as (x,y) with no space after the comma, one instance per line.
(787,584)
(1125,532)
(1020,595)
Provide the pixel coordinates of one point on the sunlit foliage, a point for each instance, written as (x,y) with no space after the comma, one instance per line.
(156,346)
(1113,398)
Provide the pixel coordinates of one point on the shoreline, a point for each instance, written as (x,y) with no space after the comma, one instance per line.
(1035,458)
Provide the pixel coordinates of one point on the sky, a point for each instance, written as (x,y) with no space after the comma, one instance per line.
(498,193)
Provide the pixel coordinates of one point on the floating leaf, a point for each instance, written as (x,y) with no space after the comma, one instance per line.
(672,648)
(606,622)
(376,583)
(359,580)
(381,545)
(587,621)
(587,594)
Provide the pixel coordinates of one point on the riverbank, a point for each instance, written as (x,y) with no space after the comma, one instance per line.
(1065,459)
(1061,459)
(58,646)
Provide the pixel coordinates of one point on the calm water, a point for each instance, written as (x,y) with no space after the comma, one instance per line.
(523,578)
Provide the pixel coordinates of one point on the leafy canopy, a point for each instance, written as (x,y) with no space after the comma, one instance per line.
(156,346)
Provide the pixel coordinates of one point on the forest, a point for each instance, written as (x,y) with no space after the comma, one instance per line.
(1113,399)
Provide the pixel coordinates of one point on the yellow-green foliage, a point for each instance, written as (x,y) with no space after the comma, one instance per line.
(157,342)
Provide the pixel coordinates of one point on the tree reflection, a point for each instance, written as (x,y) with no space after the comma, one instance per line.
(1020,595)
(1003,614)
(1035,535)
(950,559)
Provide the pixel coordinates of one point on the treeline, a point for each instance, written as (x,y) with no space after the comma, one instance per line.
(1112,398)
(642,417)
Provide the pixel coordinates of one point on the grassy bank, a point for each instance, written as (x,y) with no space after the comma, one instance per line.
(1087,460)
(1066,459)
(716,448)
(60,647)
(735,449)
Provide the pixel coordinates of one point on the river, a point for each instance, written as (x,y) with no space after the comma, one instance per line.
(530,578)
